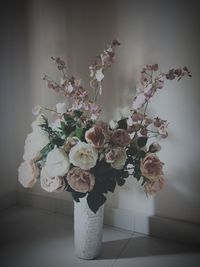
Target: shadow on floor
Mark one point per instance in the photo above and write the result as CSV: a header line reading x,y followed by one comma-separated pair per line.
x,y
144,247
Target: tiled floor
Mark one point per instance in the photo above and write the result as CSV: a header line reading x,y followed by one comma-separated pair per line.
x,y
36,238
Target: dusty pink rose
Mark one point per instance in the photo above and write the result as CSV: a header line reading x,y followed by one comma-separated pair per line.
x,y
153,188
116,157
120,138
80,180
151,167
96,137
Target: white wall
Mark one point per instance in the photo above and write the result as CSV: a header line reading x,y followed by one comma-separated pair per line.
x,y
150,31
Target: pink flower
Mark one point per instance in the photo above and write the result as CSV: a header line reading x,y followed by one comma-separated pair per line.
x,y
96,137
116,157
151,167
120,138
153,188
80,180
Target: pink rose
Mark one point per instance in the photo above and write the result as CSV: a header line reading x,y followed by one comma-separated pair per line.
x,y
116,157
151,167
80,180
120,138
96,137
153,188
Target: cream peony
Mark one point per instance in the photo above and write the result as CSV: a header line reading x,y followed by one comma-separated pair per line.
x,y
83,155
34,142
116,157
28,173
57,163
51,184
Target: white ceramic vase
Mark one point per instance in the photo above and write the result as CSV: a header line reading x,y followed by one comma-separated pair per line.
x,y
88,230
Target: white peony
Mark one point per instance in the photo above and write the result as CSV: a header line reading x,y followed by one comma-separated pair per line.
x,y
61,108
83,155
28,173
34,142
51,184
57,163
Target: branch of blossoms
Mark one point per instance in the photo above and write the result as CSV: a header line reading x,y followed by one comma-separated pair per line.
x,y
97,69
150,84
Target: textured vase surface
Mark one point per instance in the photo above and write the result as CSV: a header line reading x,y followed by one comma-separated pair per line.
x,y
88,230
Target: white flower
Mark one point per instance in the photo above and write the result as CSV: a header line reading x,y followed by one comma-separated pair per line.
x,y
83,155
39,121
113,124
57,163
37,110
69,88
61,107
51,184
34,142
28,173
99,75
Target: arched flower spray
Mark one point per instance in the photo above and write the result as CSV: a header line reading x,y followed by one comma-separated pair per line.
x,y
79,153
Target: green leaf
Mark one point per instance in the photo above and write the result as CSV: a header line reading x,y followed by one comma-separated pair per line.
x,y
142,141
122,124
120,181
77,195
78,113
62,125
79,132
111,184
95,201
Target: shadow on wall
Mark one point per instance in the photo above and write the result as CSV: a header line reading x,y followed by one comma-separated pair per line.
x,y
14,88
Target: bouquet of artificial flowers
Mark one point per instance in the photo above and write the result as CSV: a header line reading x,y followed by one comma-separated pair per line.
x,y
79,153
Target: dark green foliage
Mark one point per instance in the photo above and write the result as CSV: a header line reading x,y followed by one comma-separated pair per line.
x,y
95,200
122,124
141,141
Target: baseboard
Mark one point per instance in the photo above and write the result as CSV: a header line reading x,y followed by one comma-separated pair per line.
x,y
7,200
124,219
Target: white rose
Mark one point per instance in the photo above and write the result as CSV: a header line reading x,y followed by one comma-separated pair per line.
x,y
51,184
28,173
34,142
57,163
83,155
39,120
61,107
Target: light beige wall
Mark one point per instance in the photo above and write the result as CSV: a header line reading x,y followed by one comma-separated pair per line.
x,y
150,31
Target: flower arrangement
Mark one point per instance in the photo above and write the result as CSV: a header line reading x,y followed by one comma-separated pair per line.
x,y
79,153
